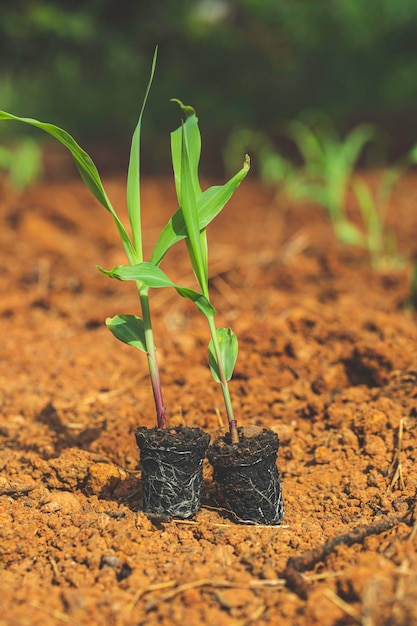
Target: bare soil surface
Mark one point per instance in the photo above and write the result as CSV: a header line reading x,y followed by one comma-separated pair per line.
x,y
328,360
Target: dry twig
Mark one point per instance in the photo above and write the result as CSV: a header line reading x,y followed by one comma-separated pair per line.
x,y
176,589
398,473
296,565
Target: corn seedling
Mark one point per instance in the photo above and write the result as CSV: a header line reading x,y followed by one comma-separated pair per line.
x,y
22,164
327,167
223,346
326,174
197,209
381,243
130,329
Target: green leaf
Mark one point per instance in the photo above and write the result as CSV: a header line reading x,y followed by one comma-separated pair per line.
x,y
151,276
306,140
348,233
228,347
354,143
133,175
193,139
188,203
209,203
86,168
128,329
412,155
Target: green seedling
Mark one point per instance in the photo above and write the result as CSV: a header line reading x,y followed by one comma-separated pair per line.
x,y
197,209
381,243
325,176
130,329
22,164
223,347
327,170
327,166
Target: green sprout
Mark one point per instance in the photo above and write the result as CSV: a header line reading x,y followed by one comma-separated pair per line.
x,y
131,329
327,166
325,176
223,346
380,242
22,164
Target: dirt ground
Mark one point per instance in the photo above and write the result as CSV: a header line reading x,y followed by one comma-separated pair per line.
x,y
328,360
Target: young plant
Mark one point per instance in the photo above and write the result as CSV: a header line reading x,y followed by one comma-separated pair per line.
x,y
223,347
381,243
327,168
130,329
22,164
197,209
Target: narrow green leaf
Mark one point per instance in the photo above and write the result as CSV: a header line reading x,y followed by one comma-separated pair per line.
x,y
306,140
193,139
188,203
146,273
129,329
412,155
133,175
348,233
86,168
83,161
228,350
209,203
151,276
354,143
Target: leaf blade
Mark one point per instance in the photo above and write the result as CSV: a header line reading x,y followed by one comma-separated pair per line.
x,y
133,174
128,329
228,346
210,203
86,167
151,276
188,203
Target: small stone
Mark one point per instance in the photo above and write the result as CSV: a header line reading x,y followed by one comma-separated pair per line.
x,y
250,432
102,479
322,455
62,501
110,560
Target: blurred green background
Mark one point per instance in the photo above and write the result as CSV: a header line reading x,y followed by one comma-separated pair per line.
x,y
240,63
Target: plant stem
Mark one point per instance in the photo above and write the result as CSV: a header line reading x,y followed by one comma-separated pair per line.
x,y
223,382
152,361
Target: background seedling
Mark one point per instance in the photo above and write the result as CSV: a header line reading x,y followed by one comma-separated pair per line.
x,y
130,329
22,164
325,176
327,167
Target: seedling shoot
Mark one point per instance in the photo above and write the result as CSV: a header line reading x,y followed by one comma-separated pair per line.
x,y
196,210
